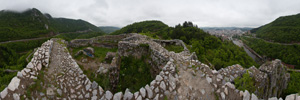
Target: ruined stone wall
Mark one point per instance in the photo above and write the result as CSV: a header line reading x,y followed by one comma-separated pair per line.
x,y
264,77
181,77
106,41
173,42
26,77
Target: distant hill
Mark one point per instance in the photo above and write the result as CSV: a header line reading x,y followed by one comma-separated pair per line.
x,y
108,29
285,29
32,24
209,49
142,27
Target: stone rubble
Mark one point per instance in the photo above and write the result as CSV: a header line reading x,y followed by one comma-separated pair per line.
x,y
194,81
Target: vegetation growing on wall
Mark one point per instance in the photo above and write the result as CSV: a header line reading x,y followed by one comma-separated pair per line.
x,y
245,83
293,84
134,74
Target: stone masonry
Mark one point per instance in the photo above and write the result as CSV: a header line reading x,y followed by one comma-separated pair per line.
x,y
180,76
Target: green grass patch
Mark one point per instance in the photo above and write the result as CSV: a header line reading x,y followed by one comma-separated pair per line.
x,y
245,83
37,86
174,48
293,84
100,52
103,80
151,35
134,74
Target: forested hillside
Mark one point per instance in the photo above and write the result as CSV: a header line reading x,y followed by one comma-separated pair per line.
x,y
289,54
142,27
32,24
285,29
209,49
29,24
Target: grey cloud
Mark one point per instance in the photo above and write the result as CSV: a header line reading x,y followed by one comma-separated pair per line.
x,y
240,13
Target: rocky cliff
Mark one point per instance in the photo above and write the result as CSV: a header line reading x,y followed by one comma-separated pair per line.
x,y
178,76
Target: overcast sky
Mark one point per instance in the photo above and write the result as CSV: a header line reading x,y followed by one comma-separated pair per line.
x,y
204,13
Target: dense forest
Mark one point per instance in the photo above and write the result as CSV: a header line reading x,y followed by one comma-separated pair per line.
x,y
142,27
32,24
209,49
289,54
13,57
284,29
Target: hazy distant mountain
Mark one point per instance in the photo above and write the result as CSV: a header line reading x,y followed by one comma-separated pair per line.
x,y
227,28
108,29
284,29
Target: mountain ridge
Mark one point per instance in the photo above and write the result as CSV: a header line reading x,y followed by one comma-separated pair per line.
x,y
285,29
31,23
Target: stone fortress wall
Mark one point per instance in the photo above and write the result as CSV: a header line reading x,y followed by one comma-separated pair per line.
x,y
18,84
171,82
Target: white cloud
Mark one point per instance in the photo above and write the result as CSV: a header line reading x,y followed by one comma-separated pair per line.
x,y
241,13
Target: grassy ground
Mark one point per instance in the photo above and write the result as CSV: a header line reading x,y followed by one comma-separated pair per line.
x,y
174,48
100,53
134,74
293,84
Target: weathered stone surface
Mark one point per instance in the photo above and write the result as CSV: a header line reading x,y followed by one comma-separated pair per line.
x,y
19,74
94,98
128,95
246,95
253,97
230,85
226,91
88,86
100,90
208,79
29,65
14,84
59,91
202,91
94,85
158,78
223,96
290,97
118,96
273,98
39,66
139,98
108,95
149,91
87,95
3,93
143,92
95,92
16,96
162,85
